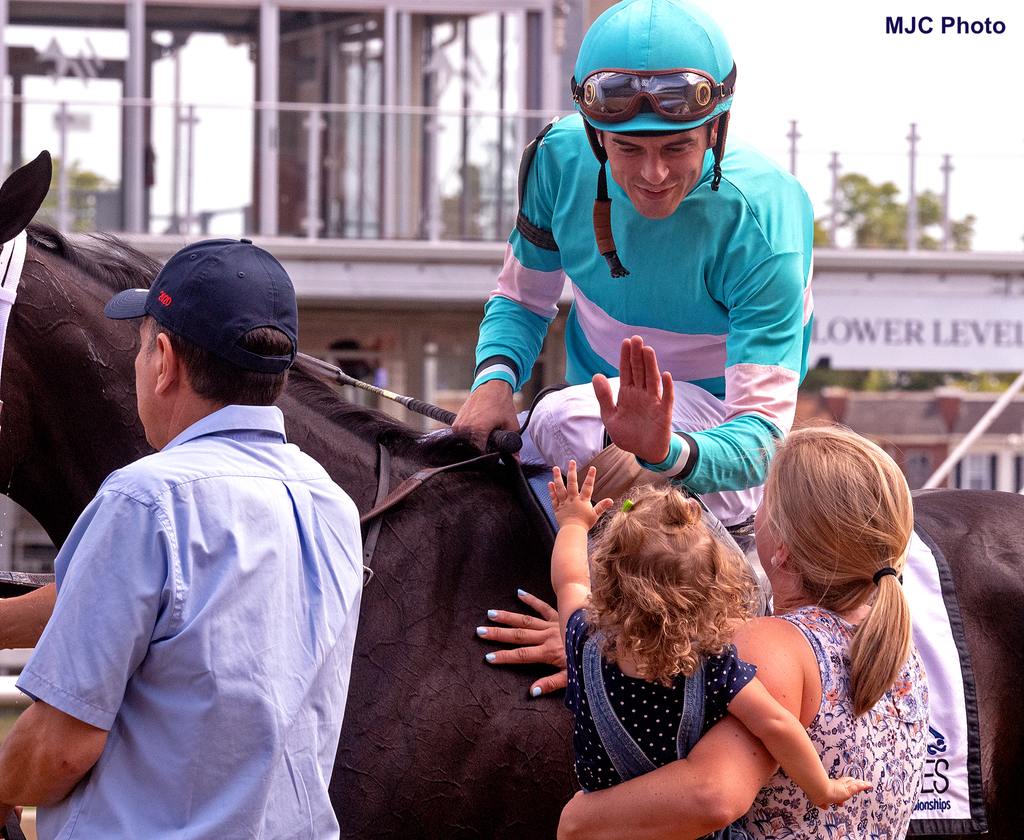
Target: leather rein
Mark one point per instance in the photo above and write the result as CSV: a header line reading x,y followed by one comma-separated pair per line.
x,y
385,500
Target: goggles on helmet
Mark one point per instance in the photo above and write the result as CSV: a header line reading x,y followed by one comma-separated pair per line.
x,y
683,95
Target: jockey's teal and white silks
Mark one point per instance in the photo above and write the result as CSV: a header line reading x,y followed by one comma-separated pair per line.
x,y
720,289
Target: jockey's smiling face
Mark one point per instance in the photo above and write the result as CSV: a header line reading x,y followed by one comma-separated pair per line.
x,y
657,172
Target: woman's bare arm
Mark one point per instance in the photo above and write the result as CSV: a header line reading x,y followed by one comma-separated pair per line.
x,y
23,619
718,781
706,791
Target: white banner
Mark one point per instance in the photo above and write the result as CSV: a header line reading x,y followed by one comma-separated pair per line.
x,y
866,330
945,790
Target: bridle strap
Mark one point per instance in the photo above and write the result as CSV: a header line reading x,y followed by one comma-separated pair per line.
x,y
12,829
384,501
383,481
416,480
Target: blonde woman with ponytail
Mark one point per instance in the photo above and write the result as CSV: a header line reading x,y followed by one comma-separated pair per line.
x,y
832,535
844,551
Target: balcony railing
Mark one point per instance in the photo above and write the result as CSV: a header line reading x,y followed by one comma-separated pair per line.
x,y
326,170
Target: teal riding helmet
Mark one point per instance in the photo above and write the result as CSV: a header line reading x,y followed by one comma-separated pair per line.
x,y
650,67
648,35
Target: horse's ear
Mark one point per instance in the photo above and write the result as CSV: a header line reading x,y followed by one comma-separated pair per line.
x,y
22,194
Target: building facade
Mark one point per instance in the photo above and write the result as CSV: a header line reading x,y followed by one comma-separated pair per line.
x,y
354,119
919,429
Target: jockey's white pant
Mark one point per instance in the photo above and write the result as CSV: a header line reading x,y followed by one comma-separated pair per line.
x,y
566,425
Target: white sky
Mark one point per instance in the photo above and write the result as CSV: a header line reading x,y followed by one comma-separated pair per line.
x,y
856,90
829,65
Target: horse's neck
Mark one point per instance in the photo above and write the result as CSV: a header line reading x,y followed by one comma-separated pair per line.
x,y
78,439
71,417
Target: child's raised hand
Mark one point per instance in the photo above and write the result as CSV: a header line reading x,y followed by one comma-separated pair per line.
x,y
841,789
571,502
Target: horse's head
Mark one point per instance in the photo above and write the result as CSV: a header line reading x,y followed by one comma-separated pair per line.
x,y
67,381
22,194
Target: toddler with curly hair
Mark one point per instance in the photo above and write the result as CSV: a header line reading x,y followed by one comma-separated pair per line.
x,y
647,627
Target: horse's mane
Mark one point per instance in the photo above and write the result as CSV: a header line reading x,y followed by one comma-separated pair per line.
x,y
371,424
120,266
100,255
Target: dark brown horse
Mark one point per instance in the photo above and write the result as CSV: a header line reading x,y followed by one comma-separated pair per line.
x,y
435,742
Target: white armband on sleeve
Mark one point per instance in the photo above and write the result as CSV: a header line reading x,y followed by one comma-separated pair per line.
x,y
675,461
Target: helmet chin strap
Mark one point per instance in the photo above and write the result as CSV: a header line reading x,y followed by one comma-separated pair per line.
x,y
719,151
603,208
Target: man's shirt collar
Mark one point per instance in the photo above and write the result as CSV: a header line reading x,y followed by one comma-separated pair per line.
x,y
232,418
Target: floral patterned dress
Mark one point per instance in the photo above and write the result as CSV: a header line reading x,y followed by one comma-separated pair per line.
x,y
886,746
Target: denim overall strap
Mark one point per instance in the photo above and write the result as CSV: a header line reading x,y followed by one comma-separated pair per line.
x,y
625,754
691,727
691,724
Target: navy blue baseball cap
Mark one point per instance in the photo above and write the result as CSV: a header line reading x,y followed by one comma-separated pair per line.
x,y
214,292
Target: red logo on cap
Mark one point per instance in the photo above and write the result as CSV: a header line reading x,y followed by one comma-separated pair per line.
x,y
164,298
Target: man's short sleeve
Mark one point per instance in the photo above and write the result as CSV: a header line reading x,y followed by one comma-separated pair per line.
x,y
113,590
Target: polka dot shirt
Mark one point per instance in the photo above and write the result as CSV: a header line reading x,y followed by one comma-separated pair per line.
x,y
649,711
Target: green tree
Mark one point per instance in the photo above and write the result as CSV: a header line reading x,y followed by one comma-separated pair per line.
x,y
453,225
877,380
820,234
904,380
877,217
83,185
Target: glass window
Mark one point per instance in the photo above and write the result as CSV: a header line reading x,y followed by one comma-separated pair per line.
x,y
977,472
363,363
68,75
330,181
202,131
444,168
69,82
471,69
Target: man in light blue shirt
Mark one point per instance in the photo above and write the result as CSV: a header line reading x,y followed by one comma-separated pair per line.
x,y
197,659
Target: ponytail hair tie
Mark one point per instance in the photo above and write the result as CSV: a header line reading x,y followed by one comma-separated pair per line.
x,y
881,573
627,505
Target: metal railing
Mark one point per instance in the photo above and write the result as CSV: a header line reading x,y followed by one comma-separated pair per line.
x,y
343,171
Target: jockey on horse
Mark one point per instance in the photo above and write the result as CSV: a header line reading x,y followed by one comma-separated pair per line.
x,y
718,249
707,254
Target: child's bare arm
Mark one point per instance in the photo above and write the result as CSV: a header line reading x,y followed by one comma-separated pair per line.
x,y
787,740
570,574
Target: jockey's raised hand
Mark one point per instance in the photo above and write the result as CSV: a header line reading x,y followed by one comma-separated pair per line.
x,y
641,420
